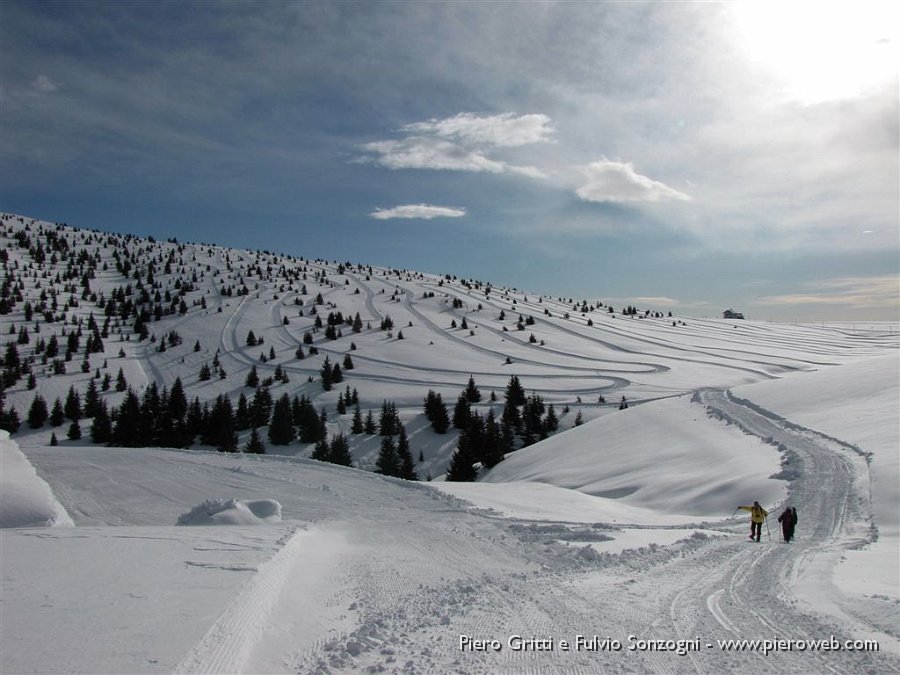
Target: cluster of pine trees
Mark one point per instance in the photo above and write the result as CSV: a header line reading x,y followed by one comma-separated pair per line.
x,y
483,440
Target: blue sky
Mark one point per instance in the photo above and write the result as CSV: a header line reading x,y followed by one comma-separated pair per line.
x,y
683,156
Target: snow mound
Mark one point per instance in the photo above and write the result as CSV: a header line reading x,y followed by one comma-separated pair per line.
x,y
666,456
25,499
232,512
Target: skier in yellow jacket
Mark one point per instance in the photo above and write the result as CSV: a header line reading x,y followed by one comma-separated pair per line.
x,y
757,517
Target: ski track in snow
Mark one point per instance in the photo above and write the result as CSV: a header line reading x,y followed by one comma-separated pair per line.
x,y
711,588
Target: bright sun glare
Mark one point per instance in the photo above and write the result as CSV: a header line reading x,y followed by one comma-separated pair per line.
x,y
820,51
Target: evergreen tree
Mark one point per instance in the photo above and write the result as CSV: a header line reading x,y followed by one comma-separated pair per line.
x,y
307,421
252,380
220,426
321,452
472,393
101,427
37,413
74,432
57,415
369,425
54,441
493,447
9,419
121,383
348,362
251,339
326,374
72,406
578,419
462,466
441,421
407,469
323,423
260,408
357,425
430,402
551,422
388,462
339,451
242,414
91,399
461,412
281,428
515,394
126,430
254,444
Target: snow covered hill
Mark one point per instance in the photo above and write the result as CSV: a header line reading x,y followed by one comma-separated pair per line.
x,y
618,527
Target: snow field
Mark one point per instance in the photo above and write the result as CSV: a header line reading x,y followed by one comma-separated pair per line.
x,y
620,526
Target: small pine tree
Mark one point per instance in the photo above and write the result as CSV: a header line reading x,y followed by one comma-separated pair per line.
x,y
462,466
255,445
74,432
72,407
57,416
407,470
461,412
281,428
252,380
388,463
472,393
54,441
37,413
101,427
357,425
339,451
369,425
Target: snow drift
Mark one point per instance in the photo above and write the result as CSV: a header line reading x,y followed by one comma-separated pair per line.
x,y
25,499
232,512
666,456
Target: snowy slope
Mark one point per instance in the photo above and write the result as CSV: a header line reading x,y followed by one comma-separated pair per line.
x,y
618,527
25,499
666,456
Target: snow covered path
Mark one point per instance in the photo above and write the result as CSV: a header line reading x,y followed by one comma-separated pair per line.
x,y
369,572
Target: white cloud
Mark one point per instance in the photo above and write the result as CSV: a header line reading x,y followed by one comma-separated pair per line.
x,y
424,211
460,143
609,181
44,83
504,130
430,153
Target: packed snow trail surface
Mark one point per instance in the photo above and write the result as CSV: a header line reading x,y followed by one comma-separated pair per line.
x,y
392,575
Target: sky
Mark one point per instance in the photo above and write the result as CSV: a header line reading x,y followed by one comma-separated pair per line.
x,y
685,157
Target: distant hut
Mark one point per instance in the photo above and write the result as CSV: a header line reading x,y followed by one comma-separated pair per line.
x,y
731,314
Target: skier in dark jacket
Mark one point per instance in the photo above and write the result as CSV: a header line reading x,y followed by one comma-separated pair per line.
x,y
787,523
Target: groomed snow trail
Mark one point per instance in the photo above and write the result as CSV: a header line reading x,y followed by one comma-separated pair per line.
x,y
389,575
703,588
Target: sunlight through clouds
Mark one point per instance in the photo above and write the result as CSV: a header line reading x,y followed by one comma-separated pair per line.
x,y
881,291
